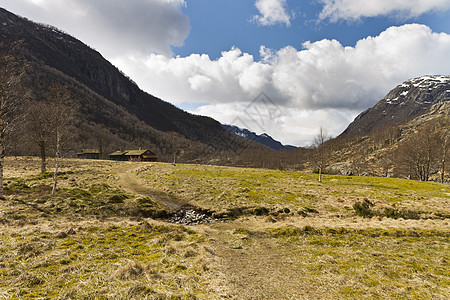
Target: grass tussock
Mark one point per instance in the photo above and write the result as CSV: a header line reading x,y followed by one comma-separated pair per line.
x,y
366,209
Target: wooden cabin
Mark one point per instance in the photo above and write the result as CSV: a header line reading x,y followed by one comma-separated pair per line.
x,y
133,155
89,154
141,155
118,155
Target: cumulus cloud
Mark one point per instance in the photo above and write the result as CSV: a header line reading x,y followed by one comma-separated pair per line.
x,y
272,12
323,77
292,126
336,10
136,27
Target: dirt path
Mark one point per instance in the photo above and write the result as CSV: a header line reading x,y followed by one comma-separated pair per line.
x,y
257,267
240,269
130,182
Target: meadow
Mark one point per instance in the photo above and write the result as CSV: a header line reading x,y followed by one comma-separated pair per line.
x,y
276,234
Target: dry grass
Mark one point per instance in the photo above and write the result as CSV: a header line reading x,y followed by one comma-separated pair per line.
x,y
290,237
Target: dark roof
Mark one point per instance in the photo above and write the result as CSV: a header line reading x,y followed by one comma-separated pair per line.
x,y
135,152
118,153
131,153
89,151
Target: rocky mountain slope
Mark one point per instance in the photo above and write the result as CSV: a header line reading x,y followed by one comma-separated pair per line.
x,y
407,101
264,138
406,134
109,99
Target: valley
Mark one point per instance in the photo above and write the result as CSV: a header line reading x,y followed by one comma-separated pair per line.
x,y
225,213
276,234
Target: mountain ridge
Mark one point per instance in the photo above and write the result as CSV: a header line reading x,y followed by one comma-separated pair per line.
x,y
263,138
402,104
54,56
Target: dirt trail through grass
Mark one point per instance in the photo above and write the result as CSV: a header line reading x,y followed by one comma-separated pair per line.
x,y
246,260
251,268
97,239
128,180
257,270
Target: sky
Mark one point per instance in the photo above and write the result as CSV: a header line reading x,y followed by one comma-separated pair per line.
x,y
282,67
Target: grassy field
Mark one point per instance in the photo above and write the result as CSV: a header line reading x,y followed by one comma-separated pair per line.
x,y
277,234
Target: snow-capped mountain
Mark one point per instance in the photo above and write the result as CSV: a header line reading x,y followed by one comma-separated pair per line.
x,y
264,138
405,102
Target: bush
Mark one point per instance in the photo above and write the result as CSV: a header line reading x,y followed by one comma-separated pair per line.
x,y
394,213
364,209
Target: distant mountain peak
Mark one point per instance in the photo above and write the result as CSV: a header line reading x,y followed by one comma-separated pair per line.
x,y
405,102
263,138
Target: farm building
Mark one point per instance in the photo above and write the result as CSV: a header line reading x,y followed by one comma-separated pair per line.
x,y
118,155
133,155
89,154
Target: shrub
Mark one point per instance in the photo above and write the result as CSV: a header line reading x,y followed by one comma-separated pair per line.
x,y
260,211
394,213
364,209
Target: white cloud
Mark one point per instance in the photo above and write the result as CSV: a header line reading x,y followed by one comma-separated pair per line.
x,y
336,10
235,76
324,83
291,126
136,27
272,12
319,80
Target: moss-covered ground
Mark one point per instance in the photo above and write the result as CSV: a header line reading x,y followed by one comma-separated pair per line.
x,y
278,234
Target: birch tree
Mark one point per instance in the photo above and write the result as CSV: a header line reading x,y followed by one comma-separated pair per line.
x,y
11,71
320,151
445,143
40,129
62,112
419,153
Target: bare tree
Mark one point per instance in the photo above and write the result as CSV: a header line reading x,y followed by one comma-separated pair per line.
x,y
40,128
177,152
11,71
444,140
445,143
62,112
386,163
418,153
320,151
102,138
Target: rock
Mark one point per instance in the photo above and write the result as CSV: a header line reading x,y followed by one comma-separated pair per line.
x,y
190,217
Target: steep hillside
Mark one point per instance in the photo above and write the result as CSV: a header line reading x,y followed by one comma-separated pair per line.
x,y
407,101
108,98
413,147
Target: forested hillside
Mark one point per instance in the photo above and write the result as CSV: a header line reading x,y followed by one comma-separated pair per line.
x,y
111,110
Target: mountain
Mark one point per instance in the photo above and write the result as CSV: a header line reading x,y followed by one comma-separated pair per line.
x,y
406,134
108,99
404,103
264,138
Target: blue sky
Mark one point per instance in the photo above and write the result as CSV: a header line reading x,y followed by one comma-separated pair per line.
x,y
319,62
217,25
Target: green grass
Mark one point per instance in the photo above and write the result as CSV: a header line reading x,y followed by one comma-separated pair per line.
x,y
221,187
286,236
92,261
